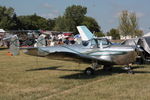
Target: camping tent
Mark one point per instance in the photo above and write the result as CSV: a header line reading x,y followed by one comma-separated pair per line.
x,y
144,42
147,34
2,31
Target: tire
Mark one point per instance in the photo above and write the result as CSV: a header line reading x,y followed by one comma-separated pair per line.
x,y
89,71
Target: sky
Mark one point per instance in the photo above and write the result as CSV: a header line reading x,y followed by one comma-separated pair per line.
x,y
106,12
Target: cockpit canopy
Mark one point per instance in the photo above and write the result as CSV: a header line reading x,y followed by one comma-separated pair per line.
x,y
97,42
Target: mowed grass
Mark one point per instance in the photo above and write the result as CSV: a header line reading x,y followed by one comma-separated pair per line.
x,y
26,77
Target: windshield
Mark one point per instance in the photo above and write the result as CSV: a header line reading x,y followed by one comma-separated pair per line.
x,y
96,43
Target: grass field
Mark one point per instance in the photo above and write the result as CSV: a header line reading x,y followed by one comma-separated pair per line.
x,y
25,77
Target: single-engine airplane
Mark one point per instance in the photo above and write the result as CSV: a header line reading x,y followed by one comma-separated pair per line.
x,y
93,50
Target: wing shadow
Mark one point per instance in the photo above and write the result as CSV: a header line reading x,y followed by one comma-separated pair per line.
x,y
53,68
81,75
101,72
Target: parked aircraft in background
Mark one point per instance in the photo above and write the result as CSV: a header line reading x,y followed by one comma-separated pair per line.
x,y
144,44
93,50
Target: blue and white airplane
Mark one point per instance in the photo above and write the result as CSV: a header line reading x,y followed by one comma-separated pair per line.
x,y
93,50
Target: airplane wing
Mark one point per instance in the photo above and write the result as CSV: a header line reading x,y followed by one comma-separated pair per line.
x,y
69,53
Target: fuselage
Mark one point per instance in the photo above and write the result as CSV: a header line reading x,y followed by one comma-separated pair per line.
x,y
107,54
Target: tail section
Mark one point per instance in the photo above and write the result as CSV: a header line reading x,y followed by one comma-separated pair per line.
x,y
14,44
41,42
85,33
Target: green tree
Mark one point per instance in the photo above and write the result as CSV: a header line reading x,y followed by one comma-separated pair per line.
x,y
6,15
16,23
61,24
51,23
75,15
128,24
72,17
138,33
99,34
34,22
91,24
114,33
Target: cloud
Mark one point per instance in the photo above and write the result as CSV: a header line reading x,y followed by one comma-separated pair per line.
x,y
111,21
49,11
139,14
47,5
51,14
55,11
117,14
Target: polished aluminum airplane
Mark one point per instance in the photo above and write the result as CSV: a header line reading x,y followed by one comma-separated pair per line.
x,y
93,50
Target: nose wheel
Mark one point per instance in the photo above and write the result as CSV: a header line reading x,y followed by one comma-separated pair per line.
x,y
89,71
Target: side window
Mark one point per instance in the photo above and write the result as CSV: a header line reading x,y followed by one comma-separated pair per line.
x,y
94,43
85,43
103,41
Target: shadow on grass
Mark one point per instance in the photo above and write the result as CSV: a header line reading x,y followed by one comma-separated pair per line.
x,y
81,75
101,72
97,73
53,68
3,48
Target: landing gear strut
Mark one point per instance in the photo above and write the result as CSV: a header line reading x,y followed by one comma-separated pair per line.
x,y
91,70
129,69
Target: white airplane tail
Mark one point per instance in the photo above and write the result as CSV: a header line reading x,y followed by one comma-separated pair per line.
x,y
41,42
85,33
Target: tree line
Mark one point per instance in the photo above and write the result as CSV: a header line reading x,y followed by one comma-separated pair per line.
x,y
73,16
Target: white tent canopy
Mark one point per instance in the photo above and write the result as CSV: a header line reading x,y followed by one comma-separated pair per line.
x,y
2,31
147,34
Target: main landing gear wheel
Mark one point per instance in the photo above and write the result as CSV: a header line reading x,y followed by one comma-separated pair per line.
x,y
89,71
129,70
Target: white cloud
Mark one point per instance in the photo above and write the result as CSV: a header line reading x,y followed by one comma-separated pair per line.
x,y
47,5
49,15
55,12
52,14
117,14
49,11
139,14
